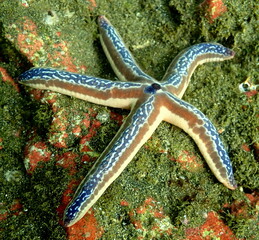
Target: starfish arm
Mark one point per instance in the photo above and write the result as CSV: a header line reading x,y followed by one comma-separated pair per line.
x,y
92,89
178,74
138,127
118,55
195,123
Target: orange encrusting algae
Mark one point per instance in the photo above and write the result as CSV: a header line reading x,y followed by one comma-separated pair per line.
x,y
213,8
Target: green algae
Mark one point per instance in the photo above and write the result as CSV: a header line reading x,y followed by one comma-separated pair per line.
x,y
155,32
25,222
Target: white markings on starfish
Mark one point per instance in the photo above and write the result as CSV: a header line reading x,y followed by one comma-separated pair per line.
x,y
150,102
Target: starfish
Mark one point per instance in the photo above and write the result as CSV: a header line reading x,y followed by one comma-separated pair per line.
x,y
150,102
